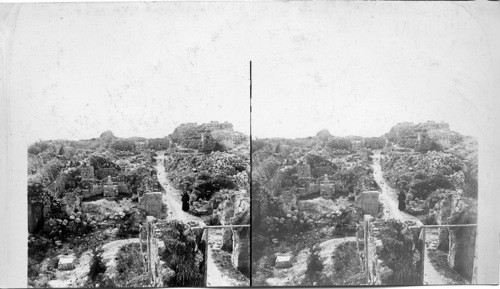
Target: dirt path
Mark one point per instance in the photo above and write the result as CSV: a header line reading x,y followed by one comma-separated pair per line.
x,y
172,198
388,198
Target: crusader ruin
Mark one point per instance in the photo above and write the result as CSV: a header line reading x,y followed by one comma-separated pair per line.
x,y
399,209
106,212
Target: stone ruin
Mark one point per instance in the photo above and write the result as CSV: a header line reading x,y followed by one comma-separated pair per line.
x,y
236,211
283,261
66,263
368,202
462,240
152,204
459,242
241,242
110,189
71,201
327,188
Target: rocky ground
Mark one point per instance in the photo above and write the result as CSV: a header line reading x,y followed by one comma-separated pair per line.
x,y
219,273
435,168
96,235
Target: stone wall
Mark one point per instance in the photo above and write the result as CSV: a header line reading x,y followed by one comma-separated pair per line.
x,y
327,188
236,211
71,201
226,213
241,242
463,240
208,136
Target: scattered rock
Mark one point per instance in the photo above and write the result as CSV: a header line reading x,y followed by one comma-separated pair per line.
x,y
66,263
283,261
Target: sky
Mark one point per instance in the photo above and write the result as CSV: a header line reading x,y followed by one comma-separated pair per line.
x,y
354,68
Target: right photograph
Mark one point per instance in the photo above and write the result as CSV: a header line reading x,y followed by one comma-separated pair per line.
x,y
364,155
396,209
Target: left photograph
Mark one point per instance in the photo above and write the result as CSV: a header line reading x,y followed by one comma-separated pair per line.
x,y
137,149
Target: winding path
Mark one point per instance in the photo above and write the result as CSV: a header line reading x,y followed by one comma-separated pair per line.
x,y
388,198
172,199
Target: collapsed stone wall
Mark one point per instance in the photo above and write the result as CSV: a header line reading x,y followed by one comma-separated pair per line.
x,y
463,240
235,210
208,136
460,242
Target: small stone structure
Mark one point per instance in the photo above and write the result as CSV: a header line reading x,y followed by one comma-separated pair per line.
x,y
152,204
240,257
66,263
327,188
110,190
368,202
283,261
462,240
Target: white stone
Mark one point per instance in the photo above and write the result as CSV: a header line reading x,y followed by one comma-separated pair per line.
x,y
66,263
58,284
283,261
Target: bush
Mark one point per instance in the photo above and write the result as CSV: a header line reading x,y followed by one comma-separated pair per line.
x,y
258,144
314,272
100,162
402,253
130,267
180,256
123,145
38,147
346,265
97,266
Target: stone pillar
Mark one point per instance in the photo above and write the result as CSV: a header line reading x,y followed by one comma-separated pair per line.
x,y
241,243
463,239
226,212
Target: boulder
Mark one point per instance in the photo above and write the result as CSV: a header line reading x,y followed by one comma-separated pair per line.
x,y
58,284
283,261
66,263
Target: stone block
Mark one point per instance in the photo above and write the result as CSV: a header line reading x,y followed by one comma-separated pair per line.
x,y
66,263
110,191
327,190
368,202
152,204
283,261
